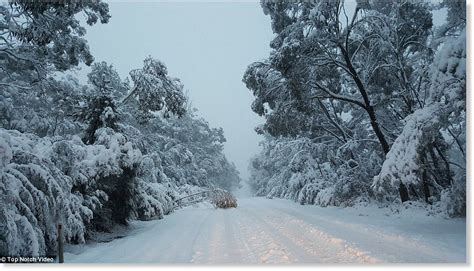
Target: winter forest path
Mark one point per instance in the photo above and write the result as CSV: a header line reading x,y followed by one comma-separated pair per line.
x,y
264,231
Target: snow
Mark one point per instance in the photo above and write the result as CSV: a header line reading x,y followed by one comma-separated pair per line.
x,y
5,151
253,233
402,162
93,156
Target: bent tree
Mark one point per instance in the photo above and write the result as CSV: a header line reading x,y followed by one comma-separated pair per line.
x,y
346,73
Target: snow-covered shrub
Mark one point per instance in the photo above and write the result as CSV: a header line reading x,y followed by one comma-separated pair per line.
x,y
189,150
223,199
154,194
312,173
453,201
153,200
428,156
113,163
103,173
35,197
287,169
403,162
49,181
326,197
308,193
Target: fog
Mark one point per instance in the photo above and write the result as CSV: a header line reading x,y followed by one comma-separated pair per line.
x,y
207,45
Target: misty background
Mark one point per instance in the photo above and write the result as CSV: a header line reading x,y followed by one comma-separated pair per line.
x,y
208,45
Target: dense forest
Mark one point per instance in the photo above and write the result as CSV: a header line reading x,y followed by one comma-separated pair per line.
x,y
90,155
363,105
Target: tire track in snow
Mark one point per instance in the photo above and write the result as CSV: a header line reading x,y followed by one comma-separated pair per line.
x,y
245,242
267,246
324,247
225,242
392,244
258,231
204,240
235,244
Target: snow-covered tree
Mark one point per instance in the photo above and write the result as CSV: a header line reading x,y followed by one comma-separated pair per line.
x,y
354,84
106,81
431,150
38,36
101,107
75,154
36,196
156,91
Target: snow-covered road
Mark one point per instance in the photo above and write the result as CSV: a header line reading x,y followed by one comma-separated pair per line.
x,y
279,231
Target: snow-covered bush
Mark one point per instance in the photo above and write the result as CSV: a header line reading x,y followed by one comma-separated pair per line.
x,y
308,193
404,162
424,154
46,181
153,200
295,169
35,197
223,199
154,193
289,168
111,164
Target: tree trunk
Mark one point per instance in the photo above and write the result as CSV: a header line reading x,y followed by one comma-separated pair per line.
x,y
426,189
424,174
402,189
368,106
377,130
371,112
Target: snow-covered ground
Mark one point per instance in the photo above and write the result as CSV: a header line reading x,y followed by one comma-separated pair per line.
x,y
280,231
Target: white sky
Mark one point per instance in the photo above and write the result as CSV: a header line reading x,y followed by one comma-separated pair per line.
x,y
207,45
